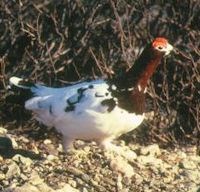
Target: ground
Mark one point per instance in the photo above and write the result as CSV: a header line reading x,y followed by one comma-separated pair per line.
x,y
40,165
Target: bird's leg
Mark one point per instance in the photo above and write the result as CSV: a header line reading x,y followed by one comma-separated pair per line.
x,y
67,143
118,150
107,145
68,148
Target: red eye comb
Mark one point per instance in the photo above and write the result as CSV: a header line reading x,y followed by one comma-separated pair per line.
x,y
160,41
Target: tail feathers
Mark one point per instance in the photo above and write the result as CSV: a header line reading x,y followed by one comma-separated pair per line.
x,y
21,83
20,90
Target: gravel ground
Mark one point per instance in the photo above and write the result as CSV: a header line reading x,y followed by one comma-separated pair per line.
x,y
29,165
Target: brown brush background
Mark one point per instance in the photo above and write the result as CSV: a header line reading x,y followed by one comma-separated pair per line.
x,y
54,42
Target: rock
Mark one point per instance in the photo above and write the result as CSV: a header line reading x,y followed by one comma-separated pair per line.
x,y
194,188
23,177
35,184
43,187
52,158
193,175
119,183
84,189
3,131
187,164
122,166
181,154
72,183
1,158
35,179
125,190
87,149
5,183
21,159
14,143
168,179
13,170
31,188
149,160
152,150
47,141
67,188
195,159
24,139
2,176
25,188
60,148
138,179
79,144
123,151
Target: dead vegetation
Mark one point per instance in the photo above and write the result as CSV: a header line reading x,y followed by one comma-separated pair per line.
x,y
54,42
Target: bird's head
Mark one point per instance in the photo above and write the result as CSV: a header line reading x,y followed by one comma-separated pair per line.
x,y
161,46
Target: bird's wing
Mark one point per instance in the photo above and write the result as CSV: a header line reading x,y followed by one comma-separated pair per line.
x,y
49,103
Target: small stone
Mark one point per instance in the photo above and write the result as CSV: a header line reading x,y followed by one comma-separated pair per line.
x,y
24,177
181,154
152,150
25,188
13,170
21,159
5,182
13,184
85,177
122,166
67,188
138,179
193,175
47,141
168,179
2,176
119,183
187,164
1,158
72,183
52,158
149,160
3,131
87,149
60,148
195,158
43,187
24,139
28,187
35,179
84,189
194,188
14,143
125,190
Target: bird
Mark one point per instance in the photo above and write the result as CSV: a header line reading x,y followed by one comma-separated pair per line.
x,y
97,110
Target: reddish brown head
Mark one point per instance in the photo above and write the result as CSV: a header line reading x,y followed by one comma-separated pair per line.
x,y
162,45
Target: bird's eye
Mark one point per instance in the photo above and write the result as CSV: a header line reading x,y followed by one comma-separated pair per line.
x,y
160,48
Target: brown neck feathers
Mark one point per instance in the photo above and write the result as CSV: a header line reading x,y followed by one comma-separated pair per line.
x,y
142,70
131,85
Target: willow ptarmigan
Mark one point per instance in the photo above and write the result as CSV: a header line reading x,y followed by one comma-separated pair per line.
x,y
98,110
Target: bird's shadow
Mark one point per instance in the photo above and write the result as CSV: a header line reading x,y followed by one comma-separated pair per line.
x,y
7,150
25,153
